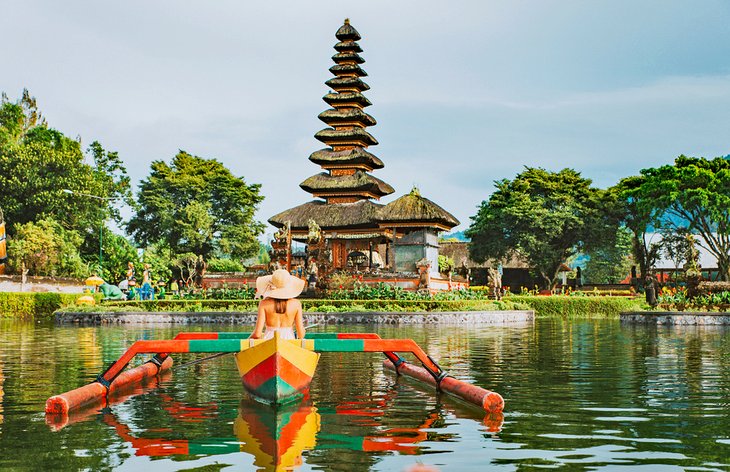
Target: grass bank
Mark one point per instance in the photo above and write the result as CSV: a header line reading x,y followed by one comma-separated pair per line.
x,y
579,307
30,305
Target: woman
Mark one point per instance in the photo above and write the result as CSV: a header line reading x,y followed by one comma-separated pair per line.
x,y
279,310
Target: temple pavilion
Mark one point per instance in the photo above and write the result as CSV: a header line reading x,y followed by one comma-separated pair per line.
x,y
357,229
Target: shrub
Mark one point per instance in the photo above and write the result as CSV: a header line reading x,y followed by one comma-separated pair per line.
x,y
706,288
35,305
570,306
224,265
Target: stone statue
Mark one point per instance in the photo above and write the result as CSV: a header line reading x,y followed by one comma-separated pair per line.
x,y
495,282
111,292
315,232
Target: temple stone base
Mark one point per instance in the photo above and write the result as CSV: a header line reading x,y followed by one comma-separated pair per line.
x,y
676,317
249,318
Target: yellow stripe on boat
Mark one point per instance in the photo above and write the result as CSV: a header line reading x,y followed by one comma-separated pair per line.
x,y
251,356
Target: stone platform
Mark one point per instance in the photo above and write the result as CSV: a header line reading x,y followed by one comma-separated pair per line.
x,y
249,318
676,317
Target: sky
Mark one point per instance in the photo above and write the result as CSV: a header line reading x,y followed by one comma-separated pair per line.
x,y
464,92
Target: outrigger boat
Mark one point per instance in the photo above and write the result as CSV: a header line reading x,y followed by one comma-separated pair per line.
x,y
274,371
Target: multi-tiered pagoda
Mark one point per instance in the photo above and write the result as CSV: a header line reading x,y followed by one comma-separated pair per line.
x,y
345,192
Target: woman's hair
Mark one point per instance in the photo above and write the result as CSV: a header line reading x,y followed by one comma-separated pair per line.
x,y
280,305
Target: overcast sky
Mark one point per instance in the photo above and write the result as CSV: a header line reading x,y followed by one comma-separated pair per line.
x,y
465,92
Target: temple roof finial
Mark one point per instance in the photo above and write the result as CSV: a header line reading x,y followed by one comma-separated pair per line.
x,y
347,21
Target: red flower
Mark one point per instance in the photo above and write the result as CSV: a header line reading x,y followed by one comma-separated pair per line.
x,y
341,287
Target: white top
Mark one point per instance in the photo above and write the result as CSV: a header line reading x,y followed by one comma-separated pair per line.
x,y
284,333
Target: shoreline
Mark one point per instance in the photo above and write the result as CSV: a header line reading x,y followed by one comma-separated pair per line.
x,y
246,317
675,317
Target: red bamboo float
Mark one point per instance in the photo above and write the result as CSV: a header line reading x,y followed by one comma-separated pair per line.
x,y
492,402
96,392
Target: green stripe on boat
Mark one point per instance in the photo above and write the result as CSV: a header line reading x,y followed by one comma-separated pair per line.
x,y
339,345
214,345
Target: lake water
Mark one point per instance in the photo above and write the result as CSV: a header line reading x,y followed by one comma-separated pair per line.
x,y
580,395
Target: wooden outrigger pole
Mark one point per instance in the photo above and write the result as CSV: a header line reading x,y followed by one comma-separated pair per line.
x,y
271,370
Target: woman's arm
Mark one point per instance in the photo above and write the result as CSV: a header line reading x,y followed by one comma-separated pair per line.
x,y
260,320
298,319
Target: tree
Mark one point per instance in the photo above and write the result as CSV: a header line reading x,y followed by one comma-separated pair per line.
x,y
160,259
612,262
17,119
46,248
196,205
694,192
675,244
118,251
39,162
640,219
543,217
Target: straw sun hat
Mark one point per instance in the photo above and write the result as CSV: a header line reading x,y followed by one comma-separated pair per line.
x,y
281,284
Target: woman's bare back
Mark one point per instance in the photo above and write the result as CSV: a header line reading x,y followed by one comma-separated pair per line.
x,y
291,318
281,320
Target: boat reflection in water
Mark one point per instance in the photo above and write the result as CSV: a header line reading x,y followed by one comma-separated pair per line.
x,y
276,437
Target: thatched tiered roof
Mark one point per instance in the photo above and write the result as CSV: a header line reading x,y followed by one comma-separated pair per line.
x,y
345,158
358,182
358,215
346,187
414,210
359,156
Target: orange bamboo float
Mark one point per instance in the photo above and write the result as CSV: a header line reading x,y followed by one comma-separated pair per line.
x,y
96,391
492,402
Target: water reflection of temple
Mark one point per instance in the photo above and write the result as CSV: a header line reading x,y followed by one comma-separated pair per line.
x,y
344,226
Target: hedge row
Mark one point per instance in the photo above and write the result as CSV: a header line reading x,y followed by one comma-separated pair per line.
x,y
572,307
33,305
42,305
319,305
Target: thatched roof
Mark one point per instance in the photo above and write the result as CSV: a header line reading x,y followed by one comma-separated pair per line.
x,y
354,156
358,182
348,82
357,97
338,216
331,136
413,208
342,69
334,116
347,32
348,46
345,56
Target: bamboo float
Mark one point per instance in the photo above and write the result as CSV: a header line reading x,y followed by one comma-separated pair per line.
x,y
96,392
491,402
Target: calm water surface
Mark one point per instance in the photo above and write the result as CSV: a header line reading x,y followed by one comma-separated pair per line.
x,y
580,395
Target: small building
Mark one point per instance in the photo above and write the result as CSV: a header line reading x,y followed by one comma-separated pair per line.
x,y
515,272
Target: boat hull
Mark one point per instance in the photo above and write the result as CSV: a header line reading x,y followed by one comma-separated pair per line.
x,y
277,371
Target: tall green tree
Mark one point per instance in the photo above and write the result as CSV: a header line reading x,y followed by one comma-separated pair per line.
x,y
196,205
39,162
543,217
694,192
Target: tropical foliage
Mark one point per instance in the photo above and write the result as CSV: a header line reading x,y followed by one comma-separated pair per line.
x,y
544,218
695,193
197,206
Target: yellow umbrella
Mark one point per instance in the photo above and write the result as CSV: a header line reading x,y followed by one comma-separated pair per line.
x,y
94,280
